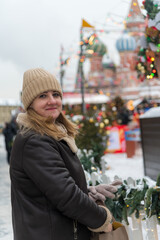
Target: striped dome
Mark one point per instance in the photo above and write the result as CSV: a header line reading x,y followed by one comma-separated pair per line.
x,y
126,43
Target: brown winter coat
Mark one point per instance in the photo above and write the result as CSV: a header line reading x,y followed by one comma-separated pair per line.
x,y
49,191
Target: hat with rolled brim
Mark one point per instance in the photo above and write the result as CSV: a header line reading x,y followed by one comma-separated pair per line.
x,y
35,82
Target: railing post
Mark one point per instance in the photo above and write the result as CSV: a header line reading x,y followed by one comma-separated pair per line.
x,y
151,228
137,227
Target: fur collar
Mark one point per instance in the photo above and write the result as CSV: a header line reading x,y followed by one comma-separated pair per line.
x,y
23,120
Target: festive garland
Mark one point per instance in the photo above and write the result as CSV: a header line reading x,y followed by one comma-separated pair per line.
x,y
135,198
128,200
152,32
146,64
150,43
152,200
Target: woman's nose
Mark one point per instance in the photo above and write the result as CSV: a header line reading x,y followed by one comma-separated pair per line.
x,y
51,100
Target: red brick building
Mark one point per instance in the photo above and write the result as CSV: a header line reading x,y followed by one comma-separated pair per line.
x,y
121,80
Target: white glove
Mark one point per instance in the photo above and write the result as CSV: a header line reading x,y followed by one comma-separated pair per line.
x,y
101,191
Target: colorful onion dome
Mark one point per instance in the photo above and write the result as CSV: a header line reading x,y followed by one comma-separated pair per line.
x,y
96,48
126,43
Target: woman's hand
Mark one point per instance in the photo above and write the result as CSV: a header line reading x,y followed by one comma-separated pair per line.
x,y
101,191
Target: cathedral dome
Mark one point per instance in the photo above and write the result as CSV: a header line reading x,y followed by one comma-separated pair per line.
x,y
97,48
126,43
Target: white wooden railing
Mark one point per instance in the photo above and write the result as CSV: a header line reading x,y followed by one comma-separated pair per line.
x,y
138,229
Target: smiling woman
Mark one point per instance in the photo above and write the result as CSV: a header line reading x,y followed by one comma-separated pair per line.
x,y
48,188
48,104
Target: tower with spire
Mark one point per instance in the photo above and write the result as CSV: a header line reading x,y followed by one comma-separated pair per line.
x,y
134,22
128,46
121,80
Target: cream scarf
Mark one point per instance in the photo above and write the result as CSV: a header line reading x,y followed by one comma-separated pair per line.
x,y
23,120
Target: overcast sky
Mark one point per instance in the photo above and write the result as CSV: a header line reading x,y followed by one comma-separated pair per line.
x,y
32,31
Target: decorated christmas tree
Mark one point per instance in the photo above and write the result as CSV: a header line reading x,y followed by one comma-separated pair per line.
x,y
91,140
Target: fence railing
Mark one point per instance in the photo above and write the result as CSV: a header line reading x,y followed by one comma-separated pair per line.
x,y
138,229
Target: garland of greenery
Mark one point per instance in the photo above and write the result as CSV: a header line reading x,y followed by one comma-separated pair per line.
x,y
152,200
128,200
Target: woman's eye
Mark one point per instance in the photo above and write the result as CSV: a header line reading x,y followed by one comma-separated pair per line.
x,y
56,94
42,96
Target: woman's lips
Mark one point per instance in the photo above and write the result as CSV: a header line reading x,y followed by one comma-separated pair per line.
x,y
50,109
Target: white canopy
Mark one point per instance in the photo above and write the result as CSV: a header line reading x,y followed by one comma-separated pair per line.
x,y
76,98
151,113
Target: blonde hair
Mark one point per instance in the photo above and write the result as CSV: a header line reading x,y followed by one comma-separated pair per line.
x,y
45,126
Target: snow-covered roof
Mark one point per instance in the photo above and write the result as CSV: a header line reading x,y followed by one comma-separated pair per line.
x,y
151,113
76,98
153,93
137,102
9,102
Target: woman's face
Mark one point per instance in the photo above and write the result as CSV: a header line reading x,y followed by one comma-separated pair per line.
x,y
48,104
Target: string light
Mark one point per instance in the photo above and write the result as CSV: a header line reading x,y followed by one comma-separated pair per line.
x,y
91,39
106,121
90,51
101,125
91,120
100,92
135,4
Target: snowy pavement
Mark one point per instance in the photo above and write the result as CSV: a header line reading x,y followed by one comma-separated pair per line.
x,y
124,167
5,206
118,164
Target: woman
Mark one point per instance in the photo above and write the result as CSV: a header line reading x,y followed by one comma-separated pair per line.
x,y
48,188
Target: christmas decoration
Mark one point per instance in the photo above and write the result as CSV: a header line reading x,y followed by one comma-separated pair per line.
x,y
152,200
87,159
151,8
150,43
128,200
93,133
116,112
92,137
146,64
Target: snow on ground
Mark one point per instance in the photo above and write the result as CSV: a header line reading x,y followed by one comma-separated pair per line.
x,y
124,167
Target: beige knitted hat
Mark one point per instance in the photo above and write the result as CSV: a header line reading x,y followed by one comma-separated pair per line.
x,y
36,81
